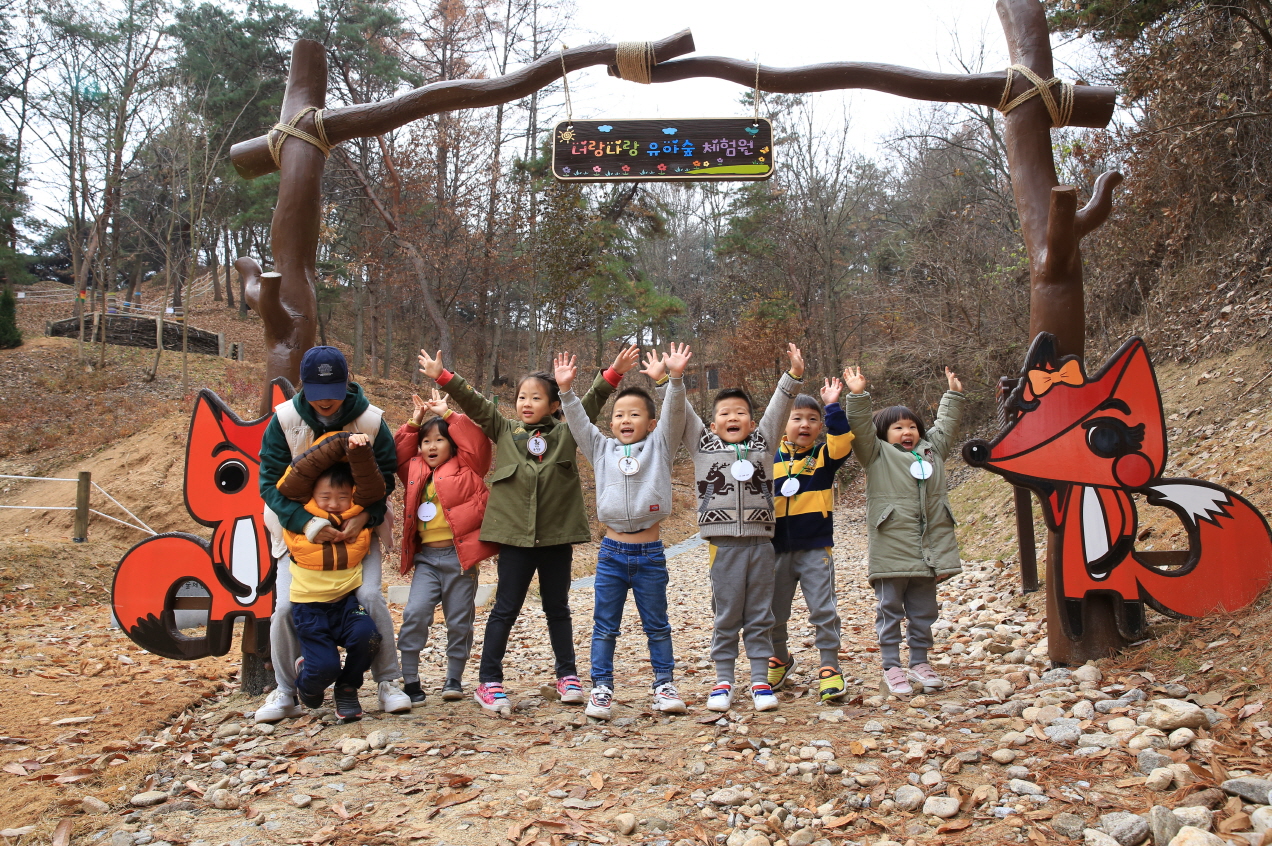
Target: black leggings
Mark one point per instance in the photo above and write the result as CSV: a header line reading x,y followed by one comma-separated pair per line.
x,y
517,566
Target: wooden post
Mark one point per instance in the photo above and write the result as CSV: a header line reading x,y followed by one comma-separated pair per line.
x,y
253,673
220,344
82,488
1025,535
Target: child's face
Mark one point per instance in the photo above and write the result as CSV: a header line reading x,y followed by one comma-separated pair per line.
x,y
333,498
326,408
803,427
904,432
630,421
435,448
534,402
733,423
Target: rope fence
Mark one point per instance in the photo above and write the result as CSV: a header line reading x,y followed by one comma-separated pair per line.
x,y
84,484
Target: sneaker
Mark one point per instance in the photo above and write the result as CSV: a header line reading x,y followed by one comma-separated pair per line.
x,y
571,690
413,690
721,697
667,699
348,708
779,673
452,690
598,703
278,705
894,679
925,676
392,699
491,696
830,684
308,700
763,697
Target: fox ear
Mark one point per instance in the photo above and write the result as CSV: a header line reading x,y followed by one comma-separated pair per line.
x,y
281,390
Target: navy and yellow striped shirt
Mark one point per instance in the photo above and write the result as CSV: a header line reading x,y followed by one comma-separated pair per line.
x,y
806,520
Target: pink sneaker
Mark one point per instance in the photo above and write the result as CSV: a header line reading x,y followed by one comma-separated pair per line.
x,y
491,696
571,690
894,679
925,676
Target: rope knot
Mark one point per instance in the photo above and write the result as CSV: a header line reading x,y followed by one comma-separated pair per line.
x,y
1061,113
635,60
281,131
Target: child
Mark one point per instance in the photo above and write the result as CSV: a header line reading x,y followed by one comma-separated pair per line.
x,y
326,574
736,516
441,462
535,512
910,524
803,479
633,494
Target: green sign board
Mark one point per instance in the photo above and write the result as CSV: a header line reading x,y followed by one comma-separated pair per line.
x,y
703,149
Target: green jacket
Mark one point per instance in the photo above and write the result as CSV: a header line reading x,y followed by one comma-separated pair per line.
x,y
910,524
534,500
276,456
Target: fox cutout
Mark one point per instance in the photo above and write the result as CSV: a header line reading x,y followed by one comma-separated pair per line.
x,y
1084,444
236,569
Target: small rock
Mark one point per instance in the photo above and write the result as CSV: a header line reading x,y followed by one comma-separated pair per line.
x,y
1253,790
1181,737
224,800
263,728
1126,828
93,805
726,797
1171,714
757,840
737,838
1068,825
1160,779
1120,724
534,803
1261,819
354,746
121,838
301,800
582,804
873,727
377,739
1024,788
148,798
347,763
1189,836
1163,825
803,837
1084,709
625,824
999,689
1095,837
1211,797
227,730
908,797
1202,818
1088,673
1151,759
1098,740
1004,756
939,806
1063,735
612,752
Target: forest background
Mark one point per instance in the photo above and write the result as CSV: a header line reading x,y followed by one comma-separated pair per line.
x,y
450,233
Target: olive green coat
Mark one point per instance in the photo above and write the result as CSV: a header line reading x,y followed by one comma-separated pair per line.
x,y
910,524
534,500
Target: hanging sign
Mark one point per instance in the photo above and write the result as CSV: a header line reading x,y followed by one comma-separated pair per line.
x,y
703,149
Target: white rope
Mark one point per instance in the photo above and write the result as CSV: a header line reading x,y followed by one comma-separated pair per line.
x,y
125,510
140,524
38,478
123,523
42,507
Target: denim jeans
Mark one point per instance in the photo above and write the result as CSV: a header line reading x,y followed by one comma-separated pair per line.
x,y
642,569
323,626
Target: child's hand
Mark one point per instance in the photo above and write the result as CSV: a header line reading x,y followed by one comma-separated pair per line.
x,y
678,359
430,366
831,390
417,416
956,384
655,368
626,360
854,381
797,361
437,404
358,440
566,367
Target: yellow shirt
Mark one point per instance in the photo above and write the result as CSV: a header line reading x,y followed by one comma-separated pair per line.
x,y
323,585
437,529
324,572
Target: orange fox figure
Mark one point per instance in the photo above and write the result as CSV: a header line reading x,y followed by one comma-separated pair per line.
x,y
222,461
1084,444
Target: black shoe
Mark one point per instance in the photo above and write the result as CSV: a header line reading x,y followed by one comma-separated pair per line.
x,y
413,690
348,708
309,700
452,690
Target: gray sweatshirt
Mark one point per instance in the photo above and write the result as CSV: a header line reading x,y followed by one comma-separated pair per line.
x,y
727,507
633,503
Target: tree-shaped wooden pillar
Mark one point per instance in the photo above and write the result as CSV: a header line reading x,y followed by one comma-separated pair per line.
x,y
1053,225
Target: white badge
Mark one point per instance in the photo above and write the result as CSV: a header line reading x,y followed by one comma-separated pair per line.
x,y
628,465
790,487
537,445
427,511
742,470
921,469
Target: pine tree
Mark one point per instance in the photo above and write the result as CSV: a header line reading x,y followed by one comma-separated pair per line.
x,y
10,335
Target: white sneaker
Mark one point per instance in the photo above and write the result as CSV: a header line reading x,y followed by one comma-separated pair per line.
x,y
598,703
392,699
667,699
721,697
764,697
278,705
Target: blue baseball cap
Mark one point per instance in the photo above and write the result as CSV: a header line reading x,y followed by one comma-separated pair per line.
x,y
324,374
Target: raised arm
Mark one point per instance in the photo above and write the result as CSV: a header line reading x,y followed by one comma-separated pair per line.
x,y
585,433
674,413
839,437
866,441
480,408
944,432
776,413
472,447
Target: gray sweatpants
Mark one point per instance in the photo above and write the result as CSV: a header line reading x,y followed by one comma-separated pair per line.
x,y
913,599
285,648
742,599
438,578
814,571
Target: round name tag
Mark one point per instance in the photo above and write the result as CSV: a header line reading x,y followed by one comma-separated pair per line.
x,y
742,470
427,511
790,487
537,445
921,469
628,465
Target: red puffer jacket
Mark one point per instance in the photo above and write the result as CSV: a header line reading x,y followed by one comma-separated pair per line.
x,y
460,489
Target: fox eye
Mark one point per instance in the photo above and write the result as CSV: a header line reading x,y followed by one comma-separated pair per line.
x,y
1109,437
231,477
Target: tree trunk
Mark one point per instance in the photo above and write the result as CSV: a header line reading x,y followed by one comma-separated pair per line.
x,y
229,279
358,324
388,340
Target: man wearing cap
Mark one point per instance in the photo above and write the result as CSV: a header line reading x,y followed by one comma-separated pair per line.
x,y
327,402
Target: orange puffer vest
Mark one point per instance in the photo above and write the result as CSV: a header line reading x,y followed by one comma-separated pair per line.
x,y
328,555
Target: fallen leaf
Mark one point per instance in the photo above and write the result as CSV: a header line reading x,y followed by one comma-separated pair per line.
x,y
953,825
1237,822
1249,710
840,822
457,798
72,721
339,809
62,834
596,780
14,768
